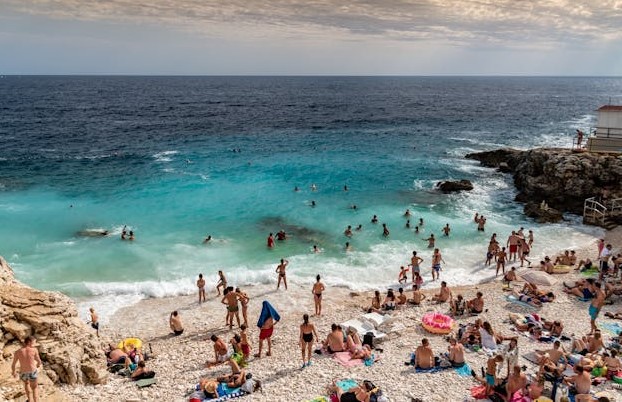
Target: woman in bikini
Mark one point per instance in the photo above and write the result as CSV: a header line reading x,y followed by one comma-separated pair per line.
x,y
307,333
318,288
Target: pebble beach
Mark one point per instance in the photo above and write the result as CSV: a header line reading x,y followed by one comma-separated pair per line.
x,y
180,361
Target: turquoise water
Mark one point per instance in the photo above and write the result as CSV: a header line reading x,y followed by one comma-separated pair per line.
x,y
156,154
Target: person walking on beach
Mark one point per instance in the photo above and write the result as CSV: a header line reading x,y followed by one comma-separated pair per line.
x,y
175,323
415,262
501,256
231,300
437,258
595,306
29,362
267,320
307,334
318,288
270,241
222,282
280,269
244,299
201,286
94,320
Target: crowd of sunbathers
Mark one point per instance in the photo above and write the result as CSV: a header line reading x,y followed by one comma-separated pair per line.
x,y
128,360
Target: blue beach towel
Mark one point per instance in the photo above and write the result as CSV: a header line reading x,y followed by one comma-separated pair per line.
x,y
612,327
346,384
433,370
267,311
464,371
512,299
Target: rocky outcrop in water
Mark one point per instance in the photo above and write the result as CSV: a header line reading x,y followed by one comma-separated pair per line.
x,y
454,186
560,177
70,351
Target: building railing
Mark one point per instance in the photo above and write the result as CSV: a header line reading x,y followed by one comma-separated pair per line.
x,y
595,211
608,132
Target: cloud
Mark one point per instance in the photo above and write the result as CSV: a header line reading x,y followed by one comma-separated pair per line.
x,y
462,22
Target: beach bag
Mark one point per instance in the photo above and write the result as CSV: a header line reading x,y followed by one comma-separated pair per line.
x,y
368,339
248,386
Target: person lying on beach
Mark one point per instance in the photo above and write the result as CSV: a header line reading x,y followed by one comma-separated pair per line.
x,y
401,297
556,354
611,361
424,356
390,301
458,306
554,327
114,355
222,282
583,288
334,340
141,372
353,341
476,305
221,352
375,304
418,297
444,294
549,366
584,265
237,376
359,393
616,316
455,353
521,297
470,335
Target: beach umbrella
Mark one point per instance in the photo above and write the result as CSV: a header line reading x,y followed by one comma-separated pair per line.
x,y
537,277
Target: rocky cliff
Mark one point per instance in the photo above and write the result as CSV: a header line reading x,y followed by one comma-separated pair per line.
x,y
70,351
560,177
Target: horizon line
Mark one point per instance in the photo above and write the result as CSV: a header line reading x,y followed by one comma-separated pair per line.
x,y
311,75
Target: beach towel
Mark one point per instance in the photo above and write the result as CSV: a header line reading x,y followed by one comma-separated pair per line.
x,y
267,311
431,370
346,384
146,382
479,392
464,371
531,357
590,272
346,360
514,300
613,328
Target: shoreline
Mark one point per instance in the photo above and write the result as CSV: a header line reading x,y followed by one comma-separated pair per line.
x,y
179,362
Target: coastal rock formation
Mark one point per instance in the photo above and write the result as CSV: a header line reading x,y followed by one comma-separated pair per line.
x,y
454,186
542,214
71,353
560,177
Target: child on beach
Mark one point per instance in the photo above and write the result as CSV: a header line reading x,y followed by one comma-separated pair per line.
x,y
403,276
244,344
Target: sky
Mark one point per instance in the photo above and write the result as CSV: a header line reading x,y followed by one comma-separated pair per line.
x,y
317,37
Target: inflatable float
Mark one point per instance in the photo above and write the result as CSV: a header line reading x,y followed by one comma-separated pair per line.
x,y
617,377
128,343
561,269
437,323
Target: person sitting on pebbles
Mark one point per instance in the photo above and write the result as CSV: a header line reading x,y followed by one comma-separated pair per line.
x,y
424,356
458,306
444,294
334,341
476,305
221,352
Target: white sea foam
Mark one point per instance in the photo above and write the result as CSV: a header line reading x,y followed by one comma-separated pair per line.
x,y
164,156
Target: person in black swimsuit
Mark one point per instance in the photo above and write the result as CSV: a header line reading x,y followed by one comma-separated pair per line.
x,y
307,333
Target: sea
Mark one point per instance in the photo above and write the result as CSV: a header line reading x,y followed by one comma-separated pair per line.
x,y
175,159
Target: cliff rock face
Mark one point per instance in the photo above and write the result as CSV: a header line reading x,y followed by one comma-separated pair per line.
x,y
561,178
455,186
70,351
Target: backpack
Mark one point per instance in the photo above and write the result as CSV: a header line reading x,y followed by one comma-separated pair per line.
x,y
368,339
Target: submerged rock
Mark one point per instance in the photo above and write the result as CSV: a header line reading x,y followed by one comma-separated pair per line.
x,y
454,186
70,351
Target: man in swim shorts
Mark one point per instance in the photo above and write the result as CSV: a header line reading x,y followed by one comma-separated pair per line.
x,y
437,258
29,362
175,323
414,264
512,244
201,286
231,299
596,305
221,353
94,320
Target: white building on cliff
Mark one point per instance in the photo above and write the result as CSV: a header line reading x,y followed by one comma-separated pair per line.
x,y
608,135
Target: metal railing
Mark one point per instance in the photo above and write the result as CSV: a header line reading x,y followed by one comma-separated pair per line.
x,y
594,211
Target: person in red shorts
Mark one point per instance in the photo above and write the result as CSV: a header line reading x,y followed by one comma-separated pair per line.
x,y
512,244
267,319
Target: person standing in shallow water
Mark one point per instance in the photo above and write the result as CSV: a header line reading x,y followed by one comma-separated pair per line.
x,y
446,230
280,269
318,288
385,230
201,286
437,258
270,242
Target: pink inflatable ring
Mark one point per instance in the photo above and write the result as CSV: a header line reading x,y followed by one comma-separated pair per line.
x,y
437,323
